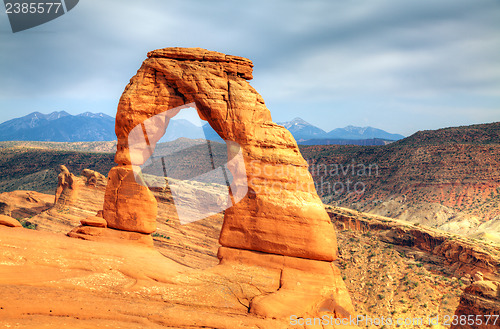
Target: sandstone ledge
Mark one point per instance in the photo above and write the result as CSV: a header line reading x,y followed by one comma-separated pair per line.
x,y
92,233
9,221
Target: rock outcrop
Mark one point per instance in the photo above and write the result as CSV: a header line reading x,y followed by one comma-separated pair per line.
x,y
9,221
96,233
479,302
462,256
94,221
129,206
66,191
279,224
5,209
94,178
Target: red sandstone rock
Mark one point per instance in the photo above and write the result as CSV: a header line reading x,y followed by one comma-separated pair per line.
x,y
94,178
67,188
278,224
480,298
281,213
9,221
94,221
306,288
109,235
465,257
129,206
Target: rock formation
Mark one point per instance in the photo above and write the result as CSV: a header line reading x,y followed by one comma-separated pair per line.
x,y
480,301
66,188
5,209
94,178
94,221
129,206
9,221
464,258
281,213
279,224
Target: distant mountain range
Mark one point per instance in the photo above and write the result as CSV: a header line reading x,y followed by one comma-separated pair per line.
x,y
86,127
59,127
304,132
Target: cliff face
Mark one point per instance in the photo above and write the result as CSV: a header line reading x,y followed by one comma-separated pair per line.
x,y
461,256
479,306
464,260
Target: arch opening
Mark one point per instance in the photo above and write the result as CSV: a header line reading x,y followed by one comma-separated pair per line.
x,y
177,150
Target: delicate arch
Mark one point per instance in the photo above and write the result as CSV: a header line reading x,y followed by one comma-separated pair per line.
x,y
281,213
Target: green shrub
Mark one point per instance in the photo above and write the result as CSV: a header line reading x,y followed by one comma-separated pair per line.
x,y
27,224
158,235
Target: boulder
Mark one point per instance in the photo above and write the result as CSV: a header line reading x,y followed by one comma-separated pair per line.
x,y
9,221
129,206
94,221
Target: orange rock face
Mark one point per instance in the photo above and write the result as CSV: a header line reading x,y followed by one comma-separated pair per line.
x,y
129,206
67,188
307,287
281,213
481,303
9,221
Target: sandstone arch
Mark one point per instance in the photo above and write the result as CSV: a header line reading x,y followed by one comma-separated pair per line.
x,y
280,223
282,213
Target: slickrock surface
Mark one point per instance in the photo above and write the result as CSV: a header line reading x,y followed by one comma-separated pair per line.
x,y
93,233
383,278
49,280
22,204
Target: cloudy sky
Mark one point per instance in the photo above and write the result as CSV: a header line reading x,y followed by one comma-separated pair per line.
x,y
401,66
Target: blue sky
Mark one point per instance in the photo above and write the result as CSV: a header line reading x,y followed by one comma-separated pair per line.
x,y
401,66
